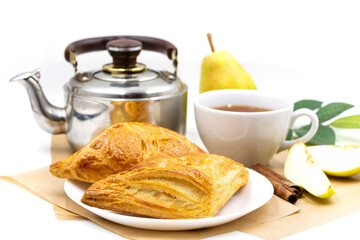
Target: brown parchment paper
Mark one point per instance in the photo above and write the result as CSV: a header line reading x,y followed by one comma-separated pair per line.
x,y
274,220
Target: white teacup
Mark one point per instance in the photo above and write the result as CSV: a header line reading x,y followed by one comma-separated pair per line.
x,y
247,137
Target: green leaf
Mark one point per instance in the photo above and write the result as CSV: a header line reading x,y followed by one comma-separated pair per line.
x,y
347,122
325,135
289,135
301,131
332,110
310,104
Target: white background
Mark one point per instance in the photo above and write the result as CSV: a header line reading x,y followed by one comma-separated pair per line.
x,y
296,49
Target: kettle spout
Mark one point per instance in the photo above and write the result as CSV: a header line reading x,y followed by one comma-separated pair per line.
x,y
49,117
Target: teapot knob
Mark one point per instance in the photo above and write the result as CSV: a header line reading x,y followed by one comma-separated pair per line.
x,y
124,52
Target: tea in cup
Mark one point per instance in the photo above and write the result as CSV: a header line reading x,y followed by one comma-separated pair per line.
x,y
248,126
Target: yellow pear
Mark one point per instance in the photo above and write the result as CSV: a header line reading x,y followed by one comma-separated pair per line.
x,y
340,161
220,70
301,169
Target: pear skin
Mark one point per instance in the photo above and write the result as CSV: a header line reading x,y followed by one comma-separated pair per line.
x,y
220,70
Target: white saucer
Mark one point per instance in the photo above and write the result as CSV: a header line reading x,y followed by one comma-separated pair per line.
x,y
253,195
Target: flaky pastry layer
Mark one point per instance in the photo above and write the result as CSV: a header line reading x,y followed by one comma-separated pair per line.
x,y
193,186
120,147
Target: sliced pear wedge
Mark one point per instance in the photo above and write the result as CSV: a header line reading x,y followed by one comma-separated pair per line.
x,y
301,169
340,161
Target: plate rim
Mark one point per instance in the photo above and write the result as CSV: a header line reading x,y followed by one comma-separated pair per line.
x,y
174,224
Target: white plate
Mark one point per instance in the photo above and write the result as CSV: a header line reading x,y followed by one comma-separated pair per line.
x,y
253,195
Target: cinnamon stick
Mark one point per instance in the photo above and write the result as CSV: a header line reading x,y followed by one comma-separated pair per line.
x,y
283,187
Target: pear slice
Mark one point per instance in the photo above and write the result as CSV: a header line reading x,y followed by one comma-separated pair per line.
x,y
301,169
340,161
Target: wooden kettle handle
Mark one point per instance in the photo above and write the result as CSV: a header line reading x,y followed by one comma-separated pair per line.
x,y
99,43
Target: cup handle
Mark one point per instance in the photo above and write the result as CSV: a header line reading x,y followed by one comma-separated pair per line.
x,y
314,126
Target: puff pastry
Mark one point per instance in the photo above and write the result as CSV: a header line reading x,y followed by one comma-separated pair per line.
x,y
120,147
193,186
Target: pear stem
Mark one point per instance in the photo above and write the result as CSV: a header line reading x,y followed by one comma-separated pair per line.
x,y
210,42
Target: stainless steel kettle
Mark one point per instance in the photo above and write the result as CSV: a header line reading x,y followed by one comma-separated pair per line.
x,y
121,91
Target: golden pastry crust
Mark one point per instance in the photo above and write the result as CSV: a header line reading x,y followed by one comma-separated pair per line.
x,y
193,186
120,147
